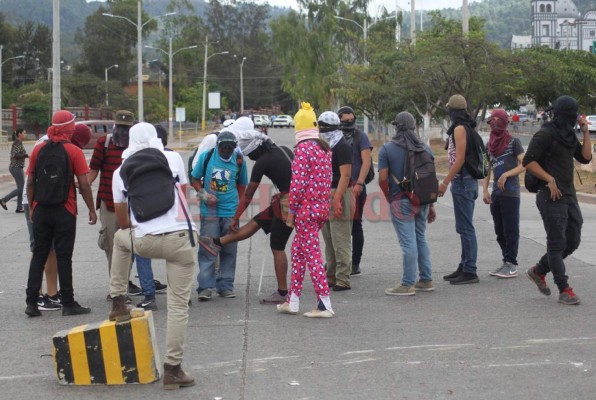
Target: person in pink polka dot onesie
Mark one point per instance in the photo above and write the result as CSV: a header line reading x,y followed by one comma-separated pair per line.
x,y
308,211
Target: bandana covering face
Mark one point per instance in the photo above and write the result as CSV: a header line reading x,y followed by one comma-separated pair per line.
x,y
63,126
142,136
499,135
405,132
249,141
333,137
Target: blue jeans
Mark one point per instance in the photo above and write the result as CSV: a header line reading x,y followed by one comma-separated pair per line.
x,y
505,212
145,275
563,225
410,226
217,227
465,192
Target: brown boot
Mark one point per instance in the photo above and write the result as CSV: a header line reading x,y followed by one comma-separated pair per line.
x,y
120,310
175,378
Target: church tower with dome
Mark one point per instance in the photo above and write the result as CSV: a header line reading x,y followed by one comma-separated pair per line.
x,y
559,25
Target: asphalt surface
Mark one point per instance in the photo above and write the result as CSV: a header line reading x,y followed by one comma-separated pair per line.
x,y
499,339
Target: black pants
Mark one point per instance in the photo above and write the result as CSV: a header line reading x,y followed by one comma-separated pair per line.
x,y
357,232
52,224
563,225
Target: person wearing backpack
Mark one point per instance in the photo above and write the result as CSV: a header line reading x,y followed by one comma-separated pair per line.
x,y
408,216
274,162
505,154
220,178
464,189
550,158
152,214
106,158
53,208
361,165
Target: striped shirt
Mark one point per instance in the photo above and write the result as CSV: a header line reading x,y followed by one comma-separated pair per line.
x,y
106,161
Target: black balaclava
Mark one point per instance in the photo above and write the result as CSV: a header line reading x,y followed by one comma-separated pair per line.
x,y
120,135
564,119
348,127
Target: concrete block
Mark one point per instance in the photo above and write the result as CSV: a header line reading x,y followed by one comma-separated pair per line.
x,y
107,353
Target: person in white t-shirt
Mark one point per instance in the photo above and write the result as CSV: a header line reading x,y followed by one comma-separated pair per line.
x,y
168,237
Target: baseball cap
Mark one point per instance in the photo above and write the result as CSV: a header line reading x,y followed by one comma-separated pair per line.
x,y
124,117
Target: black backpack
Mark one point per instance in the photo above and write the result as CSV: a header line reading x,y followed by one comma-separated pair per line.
x,y
476,161
420,183
53,174
149,184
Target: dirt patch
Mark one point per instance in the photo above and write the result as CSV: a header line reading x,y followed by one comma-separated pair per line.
x,y
587,184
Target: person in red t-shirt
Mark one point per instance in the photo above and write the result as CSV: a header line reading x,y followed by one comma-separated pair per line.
x,y
57,223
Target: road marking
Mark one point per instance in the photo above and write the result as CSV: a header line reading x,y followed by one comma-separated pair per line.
x,y
15,377
430,346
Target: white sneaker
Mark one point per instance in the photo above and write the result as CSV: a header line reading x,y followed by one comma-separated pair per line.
x,y
284,308
316,313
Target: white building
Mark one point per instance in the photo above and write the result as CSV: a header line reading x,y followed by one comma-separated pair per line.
x,y
558,24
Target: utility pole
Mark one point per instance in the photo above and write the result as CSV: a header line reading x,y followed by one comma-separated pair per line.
x,y
465,13
56,101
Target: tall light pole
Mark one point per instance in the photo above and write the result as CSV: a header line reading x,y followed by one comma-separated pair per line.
x,y
1,64
241,84
205,78
465,14
170,87
56,100
107,69
139,25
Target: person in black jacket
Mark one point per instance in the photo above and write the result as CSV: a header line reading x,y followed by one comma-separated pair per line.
x,y
550,158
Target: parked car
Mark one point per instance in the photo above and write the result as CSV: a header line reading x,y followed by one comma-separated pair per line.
x,y
99,128
283,121
261,120
591,124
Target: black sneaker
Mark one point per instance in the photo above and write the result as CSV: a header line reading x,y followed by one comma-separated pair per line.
x,y
3,204
54,299
74,309
148,303
32,310
356,270
134,290
46,304
160,287
464,278
453,275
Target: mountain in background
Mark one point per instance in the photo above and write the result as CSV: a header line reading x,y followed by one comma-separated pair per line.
x,y
504,18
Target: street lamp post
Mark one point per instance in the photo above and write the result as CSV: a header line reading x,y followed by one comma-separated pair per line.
x,y
241,85
1,64
139,25
107,69
205,79
170,87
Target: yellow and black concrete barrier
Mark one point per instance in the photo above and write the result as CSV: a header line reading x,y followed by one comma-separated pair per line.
x,y
107,352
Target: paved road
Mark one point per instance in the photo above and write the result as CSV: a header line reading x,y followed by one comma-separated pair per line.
x,y
499,339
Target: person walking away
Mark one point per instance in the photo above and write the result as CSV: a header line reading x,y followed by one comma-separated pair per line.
x,y
337,231
464,190
409,219
54,209
361,162
309,206
170,236
274,163
505,155
18,154
550,158
220,178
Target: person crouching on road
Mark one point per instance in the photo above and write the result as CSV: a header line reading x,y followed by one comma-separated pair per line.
x,y
275,163
308,212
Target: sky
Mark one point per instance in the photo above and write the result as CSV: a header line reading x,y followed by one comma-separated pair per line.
x,y
376,6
